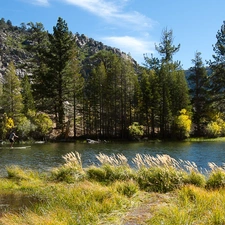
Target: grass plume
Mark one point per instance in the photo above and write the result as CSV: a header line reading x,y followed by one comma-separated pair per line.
x,y
103,194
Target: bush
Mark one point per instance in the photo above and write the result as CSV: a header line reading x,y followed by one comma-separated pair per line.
x,y
196,179
213,129
128,188
17,173
108,173
160,179
216,179
71,171
96,173
67,174
135,129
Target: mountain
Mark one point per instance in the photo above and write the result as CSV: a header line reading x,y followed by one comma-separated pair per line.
x,y
13,42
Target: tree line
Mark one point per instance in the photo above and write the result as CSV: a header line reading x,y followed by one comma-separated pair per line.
x,y
108,96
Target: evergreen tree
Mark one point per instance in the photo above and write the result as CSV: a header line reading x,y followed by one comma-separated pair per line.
x,y
217,66
172,87
199,91
166,47
12,101
28,100
74,86
61,44
149,100
109,94
38,39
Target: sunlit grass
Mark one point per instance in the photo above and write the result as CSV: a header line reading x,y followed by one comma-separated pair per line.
x,y
202,139
103,194
192,206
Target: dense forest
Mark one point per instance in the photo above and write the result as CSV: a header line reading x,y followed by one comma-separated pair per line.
x,y
68,90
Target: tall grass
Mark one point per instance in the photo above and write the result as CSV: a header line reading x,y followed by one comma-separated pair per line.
x,y
71,171
193,205
102,194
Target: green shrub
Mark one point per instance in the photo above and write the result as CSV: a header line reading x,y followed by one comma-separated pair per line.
x,y
17,173
96,173
216,179
67,174
108,173
160,179
128,188
196,179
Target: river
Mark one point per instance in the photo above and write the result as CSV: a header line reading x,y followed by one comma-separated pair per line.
x,y
44,157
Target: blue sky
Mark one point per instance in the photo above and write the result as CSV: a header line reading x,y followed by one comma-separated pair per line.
x,y
134,26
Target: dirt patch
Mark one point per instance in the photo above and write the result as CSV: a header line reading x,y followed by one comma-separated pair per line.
x,y
144,211
16,203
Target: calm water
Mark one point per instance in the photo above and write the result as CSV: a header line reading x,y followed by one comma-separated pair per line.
x,y
44,157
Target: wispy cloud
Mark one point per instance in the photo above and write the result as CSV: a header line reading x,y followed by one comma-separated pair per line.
x,y
38,2
114,12
132,45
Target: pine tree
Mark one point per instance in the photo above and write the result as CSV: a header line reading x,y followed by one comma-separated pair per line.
x,y
172,87
12,101
38,39
217,66
199,91
61,44
74,85
28,100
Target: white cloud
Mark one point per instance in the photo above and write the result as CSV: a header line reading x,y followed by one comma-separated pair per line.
x,y
114,12
135,46
38,2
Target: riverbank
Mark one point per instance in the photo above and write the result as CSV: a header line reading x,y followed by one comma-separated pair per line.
x,y
162,190
202,139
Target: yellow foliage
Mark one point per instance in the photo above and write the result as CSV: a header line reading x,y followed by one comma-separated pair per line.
x,y
183,123
214,129
9,123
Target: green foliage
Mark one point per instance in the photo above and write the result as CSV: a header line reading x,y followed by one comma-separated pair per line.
x,y
217,66
28,100
116,92
61,46
127,188
11,97
108,173
160,179
17,173
195,178
43,123
199,90
216,179
170,86
135,129
24,126
67,174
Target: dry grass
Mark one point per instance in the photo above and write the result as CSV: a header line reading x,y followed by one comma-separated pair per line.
x,y
113,160
68,200
72,159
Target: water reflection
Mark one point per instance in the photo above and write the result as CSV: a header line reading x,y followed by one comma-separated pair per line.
x,y
16,203
44,157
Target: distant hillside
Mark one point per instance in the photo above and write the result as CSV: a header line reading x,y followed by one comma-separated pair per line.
x,y
13,41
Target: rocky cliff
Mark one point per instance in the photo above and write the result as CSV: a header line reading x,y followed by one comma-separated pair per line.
x,y
13,41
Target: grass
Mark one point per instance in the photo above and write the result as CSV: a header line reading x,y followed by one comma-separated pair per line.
x,y
202,139
160,190
192,206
